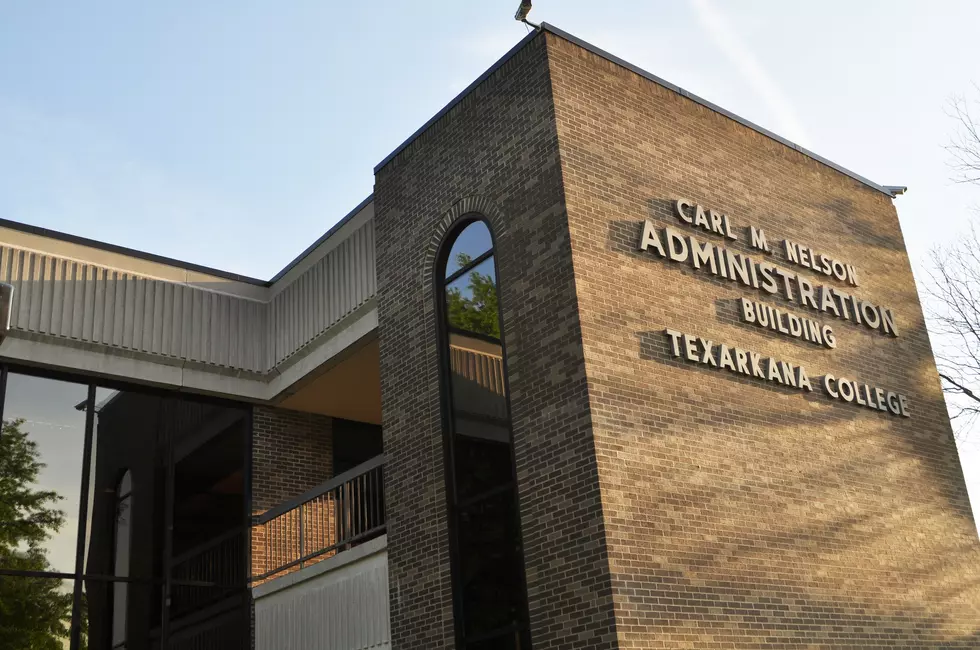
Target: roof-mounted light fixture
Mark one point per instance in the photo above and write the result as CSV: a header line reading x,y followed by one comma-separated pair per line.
x,y
523,11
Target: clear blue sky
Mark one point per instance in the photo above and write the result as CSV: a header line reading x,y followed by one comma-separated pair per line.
x,y
233,133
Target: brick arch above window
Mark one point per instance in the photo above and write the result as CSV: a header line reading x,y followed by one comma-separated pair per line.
x,y
462,208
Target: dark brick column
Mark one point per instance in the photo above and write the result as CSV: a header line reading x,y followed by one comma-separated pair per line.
x,y
495,153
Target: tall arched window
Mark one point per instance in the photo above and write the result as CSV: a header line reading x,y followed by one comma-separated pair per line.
x,y
120,590
489,588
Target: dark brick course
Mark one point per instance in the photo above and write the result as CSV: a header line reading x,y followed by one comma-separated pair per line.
x,y
495,153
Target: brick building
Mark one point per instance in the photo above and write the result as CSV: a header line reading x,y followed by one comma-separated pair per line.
x,y
598,365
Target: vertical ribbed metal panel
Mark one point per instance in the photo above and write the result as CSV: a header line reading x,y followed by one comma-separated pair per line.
x,y
340,282
65,298
344,609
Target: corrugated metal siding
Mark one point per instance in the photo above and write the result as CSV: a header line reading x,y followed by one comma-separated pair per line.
x,y
65,298
343,609
70,299
340,282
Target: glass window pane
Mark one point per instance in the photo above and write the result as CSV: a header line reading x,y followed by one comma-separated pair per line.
x,y
41,453
471,301
472,242
128,469
120,590
125,485
120,601
123,523
481,465
36,612
509,640
105,620
136,436
490,565
479,400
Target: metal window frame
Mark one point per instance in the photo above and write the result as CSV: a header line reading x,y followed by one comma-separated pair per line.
x,y
79,576
443,330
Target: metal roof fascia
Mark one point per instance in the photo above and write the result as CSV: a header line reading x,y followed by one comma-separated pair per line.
x,y
131,252
704,102
324,237
180,264
458,98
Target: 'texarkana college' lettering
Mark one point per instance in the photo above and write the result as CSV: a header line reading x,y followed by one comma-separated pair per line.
x,y
752,364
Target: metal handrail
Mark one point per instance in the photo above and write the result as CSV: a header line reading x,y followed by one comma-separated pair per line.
x,y
337,514
211,543
319,490
221,561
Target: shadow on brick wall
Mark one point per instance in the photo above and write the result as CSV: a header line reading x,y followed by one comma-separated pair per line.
x,y
823,562
654,345
736,615
845,212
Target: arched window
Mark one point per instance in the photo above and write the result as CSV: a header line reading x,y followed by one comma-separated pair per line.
x,y
489,588
120,590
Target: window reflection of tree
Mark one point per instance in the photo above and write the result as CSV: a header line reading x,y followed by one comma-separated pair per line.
x,y
472,307
34,611
490,596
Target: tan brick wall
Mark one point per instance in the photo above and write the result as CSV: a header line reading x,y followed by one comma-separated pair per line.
x,y
738,513
292,452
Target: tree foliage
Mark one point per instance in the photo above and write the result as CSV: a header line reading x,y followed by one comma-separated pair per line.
x,y
35,613
475,309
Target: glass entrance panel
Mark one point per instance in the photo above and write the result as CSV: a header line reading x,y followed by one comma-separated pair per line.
x,y
155,463
42,443
41,459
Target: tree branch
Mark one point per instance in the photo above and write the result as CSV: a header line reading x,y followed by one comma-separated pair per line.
x,y
960,387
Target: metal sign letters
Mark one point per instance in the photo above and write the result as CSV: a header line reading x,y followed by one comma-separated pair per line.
x,y
761,275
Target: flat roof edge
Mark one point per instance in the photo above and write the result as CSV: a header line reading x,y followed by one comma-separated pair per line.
x,y
714,107
131,252
322,238
181,264
457,99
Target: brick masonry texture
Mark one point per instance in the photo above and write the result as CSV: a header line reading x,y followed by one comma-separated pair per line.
x,y
739,514
292,452
495,153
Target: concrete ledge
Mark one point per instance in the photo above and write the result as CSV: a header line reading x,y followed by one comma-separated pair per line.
x,y
360,323
339,560
123,364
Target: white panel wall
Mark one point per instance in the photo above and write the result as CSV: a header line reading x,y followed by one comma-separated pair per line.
x,y
68,299
336,285
59,299
338,604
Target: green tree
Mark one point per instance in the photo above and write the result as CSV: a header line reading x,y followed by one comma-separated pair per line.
x,y
35,614
476,312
